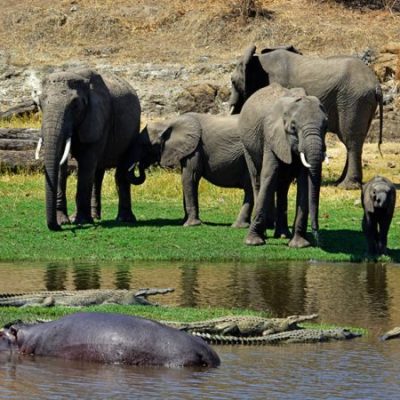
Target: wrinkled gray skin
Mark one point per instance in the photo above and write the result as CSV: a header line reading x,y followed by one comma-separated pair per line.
x,y
101,115
378,198
274,132
348,89
203,145
110,338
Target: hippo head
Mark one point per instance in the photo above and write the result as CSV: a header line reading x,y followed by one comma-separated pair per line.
x,y
7,340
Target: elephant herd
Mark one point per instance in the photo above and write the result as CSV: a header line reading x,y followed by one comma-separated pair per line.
x,y
282,104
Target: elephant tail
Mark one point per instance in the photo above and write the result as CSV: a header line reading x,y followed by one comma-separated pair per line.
x,y
379,99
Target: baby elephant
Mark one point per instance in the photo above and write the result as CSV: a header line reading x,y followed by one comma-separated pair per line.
x,y
203,146
378,198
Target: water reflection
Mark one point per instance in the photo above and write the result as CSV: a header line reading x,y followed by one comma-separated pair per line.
x,y
351,294
55,276
344,370
364,295
123,276
86,276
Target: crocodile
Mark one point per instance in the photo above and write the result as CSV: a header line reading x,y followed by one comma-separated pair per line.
x,y
242,326
392,334
80,298
306,335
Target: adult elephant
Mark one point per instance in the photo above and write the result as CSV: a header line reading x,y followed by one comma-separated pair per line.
x,y
347,88
283,138
202,145
96,118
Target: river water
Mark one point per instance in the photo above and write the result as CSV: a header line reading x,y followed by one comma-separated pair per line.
x,y
365,295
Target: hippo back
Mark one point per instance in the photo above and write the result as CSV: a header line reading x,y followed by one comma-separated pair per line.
x,y
115,338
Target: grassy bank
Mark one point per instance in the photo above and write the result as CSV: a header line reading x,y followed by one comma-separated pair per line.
x,y
32,314
159,235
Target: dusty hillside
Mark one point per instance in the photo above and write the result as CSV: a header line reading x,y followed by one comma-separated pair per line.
x,y
178,54
48,32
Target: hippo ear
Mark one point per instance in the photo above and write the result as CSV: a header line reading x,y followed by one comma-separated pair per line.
x,y
179,140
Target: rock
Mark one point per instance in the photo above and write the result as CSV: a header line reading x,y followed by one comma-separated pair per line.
x,y
391,47
386,66
202,98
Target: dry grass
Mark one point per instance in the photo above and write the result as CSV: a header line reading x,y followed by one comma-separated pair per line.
x,y
47,32
31,120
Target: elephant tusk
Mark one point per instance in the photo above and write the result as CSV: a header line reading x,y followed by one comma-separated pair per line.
x,y
38,147
133,166
231,110
326,158
304,161
66,151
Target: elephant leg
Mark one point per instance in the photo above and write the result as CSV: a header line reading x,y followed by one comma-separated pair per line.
x,y
281,223
353,168
370,230
344,172
86,173
382,238
354,127
191,174
125,213
268,179
253,173
244,217
96,194
61,202
300,222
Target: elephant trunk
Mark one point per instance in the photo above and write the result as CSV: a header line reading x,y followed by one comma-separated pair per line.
x,y
136,179
314,157
55,140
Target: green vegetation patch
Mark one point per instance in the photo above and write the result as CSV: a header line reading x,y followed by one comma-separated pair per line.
x,y
159,235
184,314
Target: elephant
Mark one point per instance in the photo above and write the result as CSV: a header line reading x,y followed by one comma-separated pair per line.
x,y
96,118
378,198
109,338
348,89
202,145
283,138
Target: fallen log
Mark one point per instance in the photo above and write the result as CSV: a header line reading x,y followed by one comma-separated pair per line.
x,y
20,110
18,161
17,149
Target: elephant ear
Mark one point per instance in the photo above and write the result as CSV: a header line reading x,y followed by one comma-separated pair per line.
x,y
290,48
366,197
179,140
277,136
98,112
254,75
248,54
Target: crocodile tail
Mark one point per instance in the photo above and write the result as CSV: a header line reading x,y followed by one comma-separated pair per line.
x,y
379,99
231,340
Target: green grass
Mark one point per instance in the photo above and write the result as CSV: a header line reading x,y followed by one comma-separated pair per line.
x,y
184,314
31,314
158,235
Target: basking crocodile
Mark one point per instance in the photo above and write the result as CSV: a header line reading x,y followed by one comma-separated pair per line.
x,y
242,326
291,336
254,330
392,334
79,298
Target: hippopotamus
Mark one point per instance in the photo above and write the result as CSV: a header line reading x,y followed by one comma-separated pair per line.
x,y
110,338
